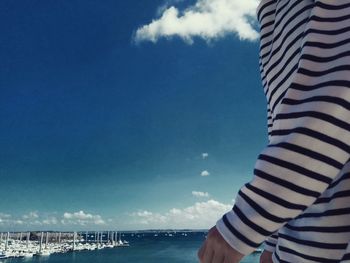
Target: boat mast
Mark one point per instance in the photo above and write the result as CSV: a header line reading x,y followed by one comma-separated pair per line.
x,y
28,237
7,240
46,239
41,242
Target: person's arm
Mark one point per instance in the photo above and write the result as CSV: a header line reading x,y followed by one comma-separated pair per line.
x,y
310,140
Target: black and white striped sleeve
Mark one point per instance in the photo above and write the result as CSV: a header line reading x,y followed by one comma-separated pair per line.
x,y
310,136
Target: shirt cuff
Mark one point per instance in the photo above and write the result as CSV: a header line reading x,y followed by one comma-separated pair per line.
x,y
271,242
232,240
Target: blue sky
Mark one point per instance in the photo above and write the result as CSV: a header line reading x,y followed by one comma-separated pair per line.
x,y
126,114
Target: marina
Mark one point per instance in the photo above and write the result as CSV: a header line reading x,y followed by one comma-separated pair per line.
x,y
158,246
30,244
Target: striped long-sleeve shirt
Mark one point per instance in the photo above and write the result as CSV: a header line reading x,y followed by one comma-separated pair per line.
x,y
299,198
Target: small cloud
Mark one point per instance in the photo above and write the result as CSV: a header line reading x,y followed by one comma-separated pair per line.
x,y
205,155
208,19
200,194
81,218
205,173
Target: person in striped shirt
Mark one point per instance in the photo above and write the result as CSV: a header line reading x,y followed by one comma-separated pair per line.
x,y
298,201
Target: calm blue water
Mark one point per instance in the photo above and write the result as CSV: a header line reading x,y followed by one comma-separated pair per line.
x,y
144,248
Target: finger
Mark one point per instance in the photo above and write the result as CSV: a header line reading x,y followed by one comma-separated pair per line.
x,y
208,255
201,251
218,258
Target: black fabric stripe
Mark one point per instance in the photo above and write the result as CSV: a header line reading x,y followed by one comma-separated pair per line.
x,y
267,34
270,244
309,153
236,233
262,211
326,45
308,257
262,46
312,73
329,19
314,134
313,243
332,7
339,194
335,100
264,7
324,59
286,184
280,260
250,223
296,168
328,229
346,256
336,83
280,97
275,199
333,212
266,25
327,32
335,183
314,114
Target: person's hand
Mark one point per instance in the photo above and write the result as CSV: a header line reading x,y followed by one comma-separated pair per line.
x,y
266,257
216,250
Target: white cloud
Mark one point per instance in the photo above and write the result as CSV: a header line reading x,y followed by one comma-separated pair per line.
x,y
4,218
200,194
18,222
198,216
3,215
208,19
50,221
81,218
66,220
205,173
205,155
146,218
31,215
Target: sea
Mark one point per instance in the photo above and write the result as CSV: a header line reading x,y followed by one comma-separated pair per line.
x,y
145,247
